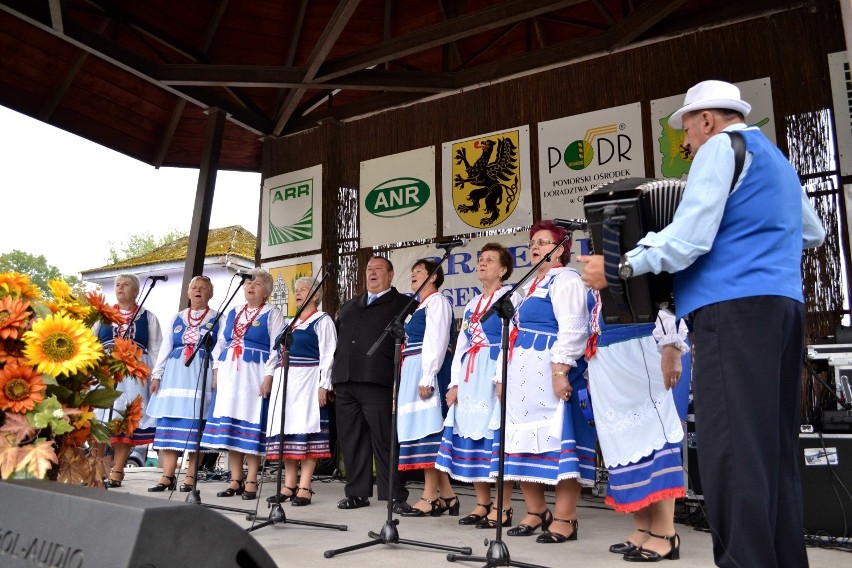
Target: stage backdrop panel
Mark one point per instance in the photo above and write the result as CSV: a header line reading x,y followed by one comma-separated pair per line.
x,y
397,198
291,213
841,96
284,275
486,181
460,281
578,153
669,158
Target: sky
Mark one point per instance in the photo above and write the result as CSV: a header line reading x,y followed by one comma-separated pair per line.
x,y
66,198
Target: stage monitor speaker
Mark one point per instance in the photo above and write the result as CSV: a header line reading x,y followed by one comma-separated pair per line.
x,y
825,468
51,524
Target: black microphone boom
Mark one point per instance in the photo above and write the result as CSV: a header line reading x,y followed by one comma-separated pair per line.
x,y
571,225
449,245
243,276
163,277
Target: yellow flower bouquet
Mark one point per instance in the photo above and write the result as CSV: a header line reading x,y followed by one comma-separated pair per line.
x,y
53,374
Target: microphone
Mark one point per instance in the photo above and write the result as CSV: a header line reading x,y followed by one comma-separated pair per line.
x,y
243,276
571,225
449,245
164,277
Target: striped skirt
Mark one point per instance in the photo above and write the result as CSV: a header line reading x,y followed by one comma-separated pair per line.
x,y
654,478
314,445
177,434
226,433
465,459
419,454
140,437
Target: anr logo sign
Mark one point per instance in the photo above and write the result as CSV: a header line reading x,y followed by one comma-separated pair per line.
x,y
397,197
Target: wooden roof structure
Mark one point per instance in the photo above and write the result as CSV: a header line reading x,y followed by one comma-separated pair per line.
x,y
138,77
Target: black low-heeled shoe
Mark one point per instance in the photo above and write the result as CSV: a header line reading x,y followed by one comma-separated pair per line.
x,y
550,537
526,530
230,491
626,546
444,506
114,483
281,497
249,495
487,523
415,512
473,518
160,487
645,555
186,487
297,501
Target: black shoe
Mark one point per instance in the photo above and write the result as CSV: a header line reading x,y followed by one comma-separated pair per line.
x,y
644,555
186,487
297,501
250,495
550,537
444,505
415,512
526,530
280,497
353,503
400,507
473,518
626,546
160,487
231,491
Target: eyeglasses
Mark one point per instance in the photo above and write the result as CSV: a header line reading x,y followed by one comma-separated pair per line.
x,y
540,242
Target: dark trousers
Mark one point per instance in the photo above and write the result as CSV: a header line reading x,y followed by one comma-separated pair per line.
x,y
363,412
747,384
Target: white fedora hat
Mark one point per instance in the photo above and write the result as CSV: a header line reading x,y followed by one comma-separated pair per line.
x,y
710,94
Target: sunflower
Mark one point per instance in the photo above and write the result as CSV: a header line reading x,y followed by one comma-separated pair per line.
x,y
20,388
60,290
69,309
108,313
128,356
17,284
12,351
82,422
14,317
60,345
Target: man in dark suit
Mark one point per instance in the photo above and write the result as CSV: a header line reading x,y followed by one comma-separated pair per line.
x,y
364,388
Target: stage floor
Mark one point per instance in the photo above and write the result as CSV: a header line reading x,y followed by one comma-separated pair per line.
x,y
294,545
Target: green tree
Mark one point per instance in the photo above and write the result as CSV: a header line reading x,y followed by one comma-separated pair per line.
x,y
36,267
138,244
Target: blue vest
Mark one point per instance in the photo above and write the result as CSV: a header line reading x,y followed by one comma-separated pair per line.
x,y
138,332
255,341
758,249
179,328
304,352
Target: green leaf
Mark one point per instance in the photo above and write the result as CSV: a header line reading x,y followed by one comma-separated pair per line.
x,y
59,392
100,431
101,398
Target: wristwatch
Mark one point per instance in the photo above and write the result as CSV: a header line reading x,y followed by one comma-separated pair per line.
x,y
625,269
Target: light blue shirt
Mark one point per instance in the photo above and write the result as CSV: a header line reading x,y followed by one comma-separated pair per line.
x,y
696,222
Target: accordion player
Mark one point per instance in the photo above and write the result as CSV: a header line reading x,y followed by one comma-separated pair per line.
x,y
619,214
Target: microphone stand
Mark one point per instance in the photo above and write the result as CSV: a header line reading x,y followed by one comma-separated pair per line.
x,y
498,553
206,343
285,340
389,533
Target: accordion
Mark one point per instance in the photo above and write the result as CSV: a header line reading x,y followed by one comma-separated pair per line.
x,y
622,212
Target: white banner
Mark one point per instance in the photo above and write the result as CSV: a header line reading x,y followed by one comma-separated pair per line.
x,y
669,160
397,198
284,275
460,281
291,213
841,87
486,182
578,153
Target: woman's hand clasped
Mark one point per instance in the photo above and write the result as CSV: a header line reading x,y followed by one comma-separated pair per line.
x,y
559,379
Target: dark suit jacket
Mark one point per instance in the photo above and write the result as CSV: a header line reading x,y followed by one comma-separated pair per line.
x,y
358,327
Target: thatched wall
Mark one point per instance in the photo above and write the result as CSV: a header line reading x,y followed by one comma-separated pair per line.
x,y
790,48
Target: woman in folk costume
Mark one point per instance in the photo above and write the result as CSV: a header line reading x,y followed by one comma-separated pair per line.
x,y
144,330
176,389
474,415
423,385
638,427
548,441
305,437
242,381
